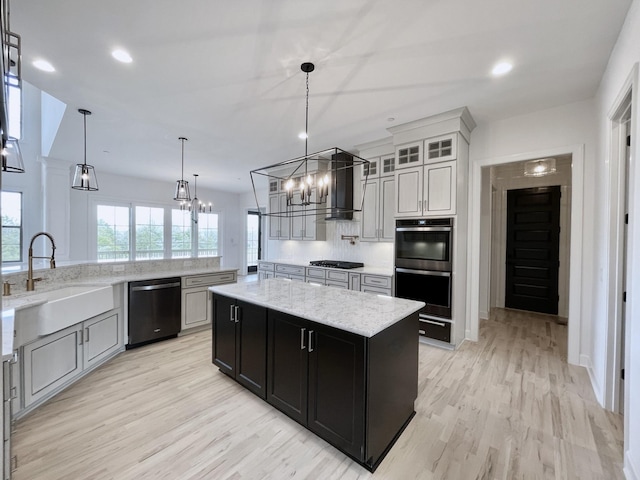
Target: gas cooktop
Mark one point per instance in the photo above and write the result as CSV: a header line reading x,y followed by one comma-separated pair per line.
x,y
336,264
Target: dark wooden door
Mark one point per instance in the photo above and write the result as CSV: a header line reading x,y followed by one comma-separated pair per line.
x,y
251,347
224,335
287,365
533,244
336,388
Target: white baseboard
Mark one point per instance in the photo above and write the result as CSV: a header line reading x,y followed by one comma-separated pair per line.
x,y
585,361
630,470
484,315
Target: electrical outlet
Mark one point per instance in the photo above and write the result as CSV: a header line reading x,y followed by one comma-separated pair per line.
x,y
118,268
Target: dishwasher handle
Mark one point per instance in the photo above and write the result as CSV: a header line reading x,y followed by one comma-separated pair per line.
x,y
155,287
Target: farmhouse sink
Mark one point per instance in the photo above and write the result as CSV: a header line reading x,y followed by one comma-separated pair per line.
x,y
71,305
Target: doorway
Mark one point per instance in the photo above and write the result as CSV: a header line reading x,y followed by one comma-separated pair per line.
x,y
254,240
533,248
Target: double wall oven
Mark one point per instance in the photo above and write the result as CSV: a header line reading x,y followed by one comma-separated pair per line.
x,y
423,271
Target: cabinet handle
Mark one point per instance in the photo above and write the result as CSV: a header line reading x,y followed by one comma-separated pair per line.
x,y
422,332
87,339
231,312
419,205
440,324
81,338
237,316
302,345
310,336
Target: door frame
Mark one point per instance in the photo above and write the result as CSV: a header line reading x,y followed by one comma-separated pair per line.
x,y
617,185
575,253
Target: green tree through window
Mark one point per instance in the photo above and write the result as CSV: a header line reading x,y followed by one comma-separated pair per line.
x,y
11,226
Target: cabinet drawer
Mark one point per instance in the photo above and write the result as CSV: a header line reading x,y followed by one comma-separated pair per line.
x,y
330,283
436,329
316,272
376,290
266,266
338,276
206,280
376,281
290,269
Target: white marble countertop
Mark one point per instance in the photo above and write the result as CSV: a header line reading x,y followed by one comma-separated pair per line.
x,y
357,312
384,271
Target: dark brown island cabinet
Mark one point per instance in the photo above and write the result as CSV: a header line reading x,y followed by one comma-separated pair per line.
x,y
353,391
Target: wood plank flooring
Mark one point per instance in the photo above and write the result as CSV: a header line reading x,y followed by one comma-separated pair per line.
x,y
507,407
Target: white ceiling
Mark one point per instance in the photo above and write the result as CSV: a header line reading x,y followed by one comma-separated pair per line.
x,y
227,74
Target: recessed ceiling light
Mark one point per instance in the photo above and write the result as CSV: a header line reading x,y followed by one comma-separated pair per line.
x,y
501,69
44,66
302,135
121,55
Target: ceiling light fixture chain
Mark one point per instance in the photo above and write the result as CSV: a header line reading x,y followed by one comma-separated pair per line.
x,y
306,184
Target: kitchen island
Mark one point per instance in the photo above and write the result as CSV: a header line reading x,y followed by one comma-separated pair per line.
x,y
343,364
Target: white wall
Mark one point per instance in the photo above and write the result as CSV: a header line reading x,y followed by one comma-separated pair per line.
x,y
624,58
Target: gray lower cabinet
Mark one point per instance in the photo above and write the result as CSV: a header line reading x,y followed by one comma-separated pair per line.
x,y
53,361
196,301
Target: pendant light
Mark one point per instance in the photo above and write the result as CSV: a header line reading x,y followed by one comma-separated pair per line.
x,y
85,176
182,186
305,186
196,206
12,157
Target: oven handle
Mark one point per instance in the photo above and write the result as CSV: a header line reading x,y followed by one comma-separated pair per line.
x,y
424,272
423,229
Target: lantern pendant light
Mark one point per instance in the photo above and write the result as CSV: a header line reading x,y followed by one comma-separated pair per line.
x,y
182,186
85,176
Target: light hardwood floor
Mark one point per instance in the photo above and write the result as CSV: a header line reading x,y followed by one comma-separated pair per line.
x,y
507,407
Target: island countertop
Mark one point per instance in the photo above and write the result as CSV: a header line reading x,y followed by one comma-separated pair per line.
x,y
362,313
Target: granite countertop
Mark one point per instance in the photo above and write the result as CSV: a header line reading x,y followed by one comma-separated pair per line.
x,y
384,271
32,299
357,312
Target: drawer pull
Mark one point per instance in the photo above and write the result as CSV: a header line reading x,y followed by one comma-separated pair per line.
x,y
302,345
422,332
440,324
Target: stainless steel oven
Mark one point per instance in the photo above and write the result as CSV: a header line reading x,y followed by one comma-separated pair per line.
x,y
423,251
424,244
431,287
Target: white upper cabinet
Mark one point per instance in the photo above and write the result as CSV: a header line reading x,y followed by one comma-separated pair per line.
x,y
408,155
439,189
440,149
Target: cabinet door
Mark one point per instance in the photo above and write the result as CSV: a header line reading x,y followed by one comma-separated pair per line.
x,y
101,338
224,334
297,222
440,188
287,365
274,222
251,348
195,307
284,232
336,387
51,362
386,209
408,155
408,192
369,223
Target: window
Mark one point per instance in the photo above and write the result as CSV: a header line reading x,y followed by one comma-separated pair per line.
x,y
207,234
113,233
149,233
180,233
11,227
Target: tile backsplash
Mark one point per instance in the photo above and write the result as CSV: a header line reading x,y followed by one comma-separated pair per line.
x,y
372,254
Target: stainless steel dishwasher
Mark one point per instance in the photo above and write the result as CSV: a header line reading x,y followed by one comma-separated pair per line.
x,y
154,310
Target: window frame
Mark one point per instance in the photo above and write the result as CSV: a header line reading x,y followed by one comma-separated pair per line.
x,y
21,229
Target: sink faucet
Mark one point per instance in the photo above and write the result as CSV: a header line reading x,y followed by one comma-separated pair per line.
x,y
30,280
